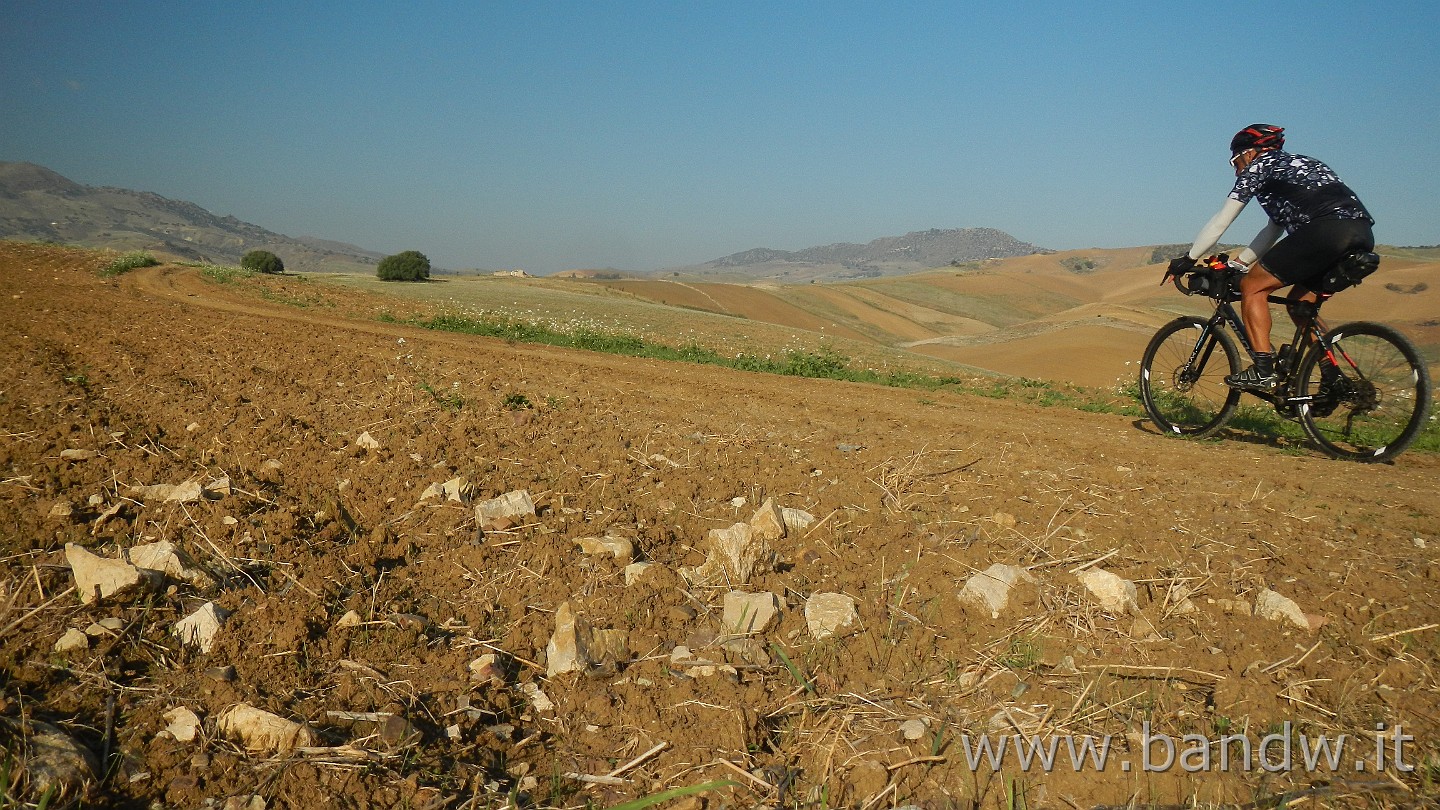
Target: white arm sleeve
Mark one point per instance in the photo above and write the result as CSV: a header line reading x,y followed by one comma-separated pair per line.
x,y
1215,228
1262,242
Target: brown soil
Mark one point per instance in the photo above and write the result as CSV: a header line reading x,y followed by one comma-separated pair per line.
x,y
170,377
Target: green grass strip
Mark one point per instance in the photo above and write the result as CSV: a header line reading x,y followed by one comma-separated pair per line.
x,y
827,363
824,363
676,793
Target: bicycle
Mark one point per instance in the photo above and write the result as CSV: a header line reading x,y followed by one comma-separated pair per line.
x,y
1360,391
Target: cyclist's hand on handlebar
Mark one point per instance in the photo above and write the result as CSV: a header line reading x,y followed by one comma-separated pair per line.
x,y
1178,266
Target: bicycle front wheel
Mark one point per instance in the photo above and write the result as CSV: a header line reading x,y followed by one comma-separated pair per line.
x,y
1182,378
1371,403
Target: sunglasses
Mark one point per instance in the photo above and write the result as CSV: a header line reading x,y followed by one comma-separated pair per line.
x,y
1237,157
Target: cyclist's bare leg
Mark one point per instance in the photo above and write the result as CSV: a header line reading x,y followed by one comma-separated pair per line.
x,y
1299,294
1255,287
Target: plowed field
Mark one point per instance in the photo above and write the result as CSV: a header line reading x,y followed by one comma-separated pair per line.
x,y
166,378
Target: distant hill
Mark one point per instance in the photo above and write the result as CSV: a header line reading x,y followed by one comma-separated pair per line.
x,y
37,204
887,256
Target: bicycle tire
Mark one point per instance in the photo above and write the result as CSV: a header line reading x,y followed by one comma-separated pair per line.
x,y
1381,407
1193,402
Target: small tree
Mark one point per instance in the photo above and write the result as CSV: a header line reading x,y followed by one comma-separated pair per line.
x,y
411,265
262,261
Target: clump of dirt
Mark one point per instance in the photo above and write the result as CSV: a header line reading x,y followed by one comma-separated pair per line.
x,y
409,643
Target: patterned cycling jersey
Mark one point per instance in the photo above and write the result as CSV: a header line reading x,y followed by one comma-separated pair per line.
x,y
1295,190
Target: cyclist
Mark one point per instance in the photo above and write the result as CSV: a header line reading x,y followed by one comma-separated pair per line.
x,y
1319,217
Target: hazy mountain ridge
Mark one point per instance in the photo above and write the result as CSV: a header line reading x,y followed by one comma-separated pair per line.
x,y
38,204
886,256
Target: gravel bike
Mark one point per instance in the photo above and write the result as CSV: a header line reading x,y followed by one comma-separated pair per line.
x,y
1360,391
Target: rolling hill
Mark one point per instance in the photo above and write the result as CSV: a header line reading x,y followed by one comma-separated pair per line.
x,y
39,205
1073,316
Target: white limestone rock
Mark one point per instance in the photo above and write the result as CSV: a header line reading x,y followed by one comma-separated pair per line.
x,y
72,641
261,731
1276,608
182,724
185,492
169,560
1114,593
200,628
621,548
749,613
576,646
508,510
103,576
831,614
989,590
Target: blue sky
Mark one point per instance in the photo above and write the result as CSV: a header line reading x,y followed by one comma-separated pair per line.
x,y
642,135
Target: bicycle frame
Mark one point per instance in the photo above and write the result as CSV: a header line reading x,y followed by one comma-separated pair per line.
x,y
1309,330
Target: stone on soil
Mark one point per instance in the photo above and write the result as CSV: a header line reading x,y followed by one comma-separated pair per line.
x,y
913,729
50,758
504,511
989,590
537,697
170,493
694,666
73,641
488,668
1271,605
634,571
199,628
109,577
732,557
576,646
170,561
830,614
183,724
618,547
768,522
261,731
1115,595
108,626
797,519
749,613
457,490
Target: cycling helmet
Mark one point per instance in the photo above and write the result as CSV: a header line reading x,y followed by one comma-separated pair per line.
x,y
1257,136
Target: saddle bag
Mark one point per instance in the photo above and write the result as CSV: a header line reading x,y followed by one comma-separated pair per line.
x,y
1349,271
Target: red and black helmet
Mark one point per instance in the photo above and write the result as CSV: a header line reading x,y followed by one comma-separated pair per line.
x,y
1257,136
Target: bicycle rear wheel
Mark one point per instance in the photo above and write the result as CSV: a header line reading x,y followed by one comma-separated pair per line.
x,y
1375,405
1182,378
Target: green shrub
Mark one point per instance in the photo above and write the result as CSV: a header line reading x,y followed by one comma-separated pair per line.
x,y
411,265
1079,264
128,262
262,261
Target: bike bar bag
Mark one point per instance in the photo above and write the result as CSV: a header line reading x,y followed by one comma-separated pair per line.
x,y
1203,282
1348,272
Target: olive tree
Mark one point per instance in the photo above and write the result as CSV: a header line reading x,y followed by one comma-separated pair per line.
x,y
411,265
262,261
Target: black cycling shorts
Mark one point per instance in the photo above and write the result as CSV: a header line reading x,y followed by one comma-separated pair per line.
x,y
1305,255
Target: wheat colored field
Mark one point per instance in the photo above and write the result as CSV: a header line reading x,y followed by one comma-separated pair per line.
x,y
1029,316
